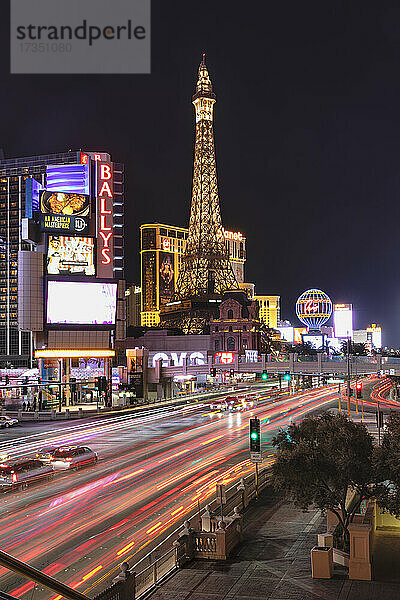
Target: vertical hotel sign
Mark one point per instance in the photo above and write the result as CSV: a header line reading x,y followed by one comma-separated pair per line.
x,y
105,198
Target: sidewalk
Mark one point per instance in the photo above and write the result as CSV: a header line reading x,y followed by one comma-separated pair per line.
x,y
273,562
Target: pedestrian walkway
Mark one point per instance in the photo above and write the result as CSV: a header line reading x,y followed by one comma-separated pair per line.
x,y
272,563
387,555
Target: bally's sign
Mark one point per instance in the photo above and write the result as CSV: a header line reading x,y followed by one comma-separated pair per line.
x,y
176,359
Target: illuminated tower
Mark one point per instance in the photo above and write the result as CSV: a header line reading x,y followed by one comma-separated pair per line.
x,y
205,264
206,272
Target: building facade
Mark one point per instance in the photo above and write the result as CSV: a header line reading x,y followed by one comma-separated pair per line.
x,y
237,327
15,345
133,297
270,310
161,250
71,291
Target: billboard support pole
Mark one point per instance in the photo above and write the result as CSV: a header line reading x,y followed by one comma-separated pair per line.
x,y
348,376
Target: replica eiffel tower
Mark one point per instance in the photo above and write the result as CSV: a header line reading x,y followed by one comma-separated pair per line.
x,y
206,272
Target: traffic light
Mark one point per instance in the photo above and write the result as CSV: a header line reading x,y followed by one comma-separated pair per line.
x,y
379,418
359,389
287,376
264,375
232,372
213,372
255,437
72,384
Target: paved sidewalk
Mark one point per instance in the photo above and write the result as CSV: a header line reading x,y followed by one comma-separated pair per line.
x,y
273,563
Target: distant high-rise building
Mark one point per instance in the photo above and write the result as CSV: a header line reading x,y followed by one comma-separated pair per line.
x,y
161,251
133,297
269,310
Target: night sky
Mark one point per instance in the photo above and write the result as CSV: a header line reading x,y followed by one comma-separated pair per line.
x,y
307,128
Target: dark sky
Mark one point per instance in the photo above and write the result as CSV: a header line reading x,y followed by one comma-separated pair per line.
x,y
307,126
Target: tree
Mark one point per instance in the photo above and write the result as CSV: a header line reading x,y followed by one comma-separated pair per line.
x,y
306,348
355,349
320,459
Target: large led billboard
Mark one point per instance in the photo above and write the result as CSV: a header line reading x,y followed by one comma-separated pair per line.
x,y
166,277
81,303
343,320
68,255
62,212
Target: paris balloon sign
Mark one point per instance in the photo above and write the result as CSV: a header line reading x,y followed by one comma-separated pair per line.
x,y
313,308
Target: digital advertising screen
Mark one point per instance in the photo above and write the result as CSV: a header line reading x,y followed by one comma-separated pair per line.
x,y
343,320
63,212
316,341
81,303
166,277
67,255
287,334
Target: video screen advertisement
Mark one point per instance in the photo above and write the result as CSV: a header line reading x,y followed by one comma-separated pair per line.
x,y
166,277
81,303
67,255
62,212
343,320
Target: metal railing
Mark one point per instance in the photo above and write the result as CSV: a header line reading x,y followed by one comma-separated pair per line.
x,y
13,564
166,564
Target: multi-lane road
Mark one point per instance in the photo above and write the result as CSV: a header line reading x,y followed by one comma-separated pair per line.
x,y
153,470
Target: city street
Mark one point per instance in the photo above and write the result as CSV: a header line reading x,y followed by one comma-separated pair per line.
x,y
152,471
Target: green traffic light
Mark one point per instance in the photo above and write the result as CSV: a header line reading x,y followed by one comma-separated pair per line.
x,y
264,376
254,435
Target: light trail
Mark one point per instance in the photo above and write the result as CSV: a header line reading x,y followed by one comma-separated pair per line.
x,y
117,509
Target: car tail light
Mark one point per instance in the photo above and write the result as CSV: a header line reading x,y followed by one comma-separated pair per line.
x,y
14,478
68,459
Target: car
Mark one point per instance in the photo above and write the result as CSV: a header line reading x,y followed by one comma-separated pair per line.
x,y
19,472
72,457
6,421
251,401
218,405
46,454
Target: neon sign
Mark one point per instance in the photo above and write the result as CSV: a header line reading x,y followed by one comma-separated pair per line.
x,y
177,360
105,196
233,235
224,358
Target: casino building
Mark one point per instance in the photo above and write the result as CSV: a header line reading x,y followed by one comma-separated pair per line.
x,y
62,260
161,251
16,346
